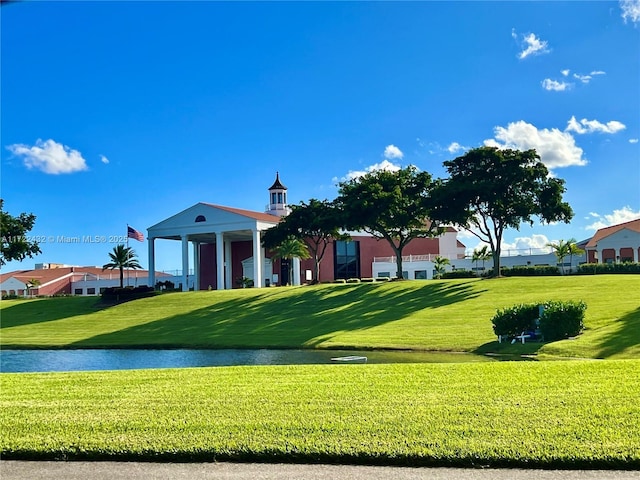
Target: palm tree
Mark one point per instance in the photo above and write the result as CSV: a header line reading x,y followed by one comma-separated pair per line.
x,y
122,257
481,254
574,249
33,283
561,249
439,264
291,248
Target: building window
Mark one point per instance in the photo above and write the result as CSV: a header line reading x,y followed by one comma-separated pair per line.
x,y
102,290
273,198
91,291
420,275
200,218
384,274
347,259
78,291
279,197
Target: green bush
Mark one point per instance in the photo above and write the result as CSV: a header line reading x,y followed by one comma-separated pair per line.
x,y
535,271
603,268
353,280
562,320
559,319
515,320
459,274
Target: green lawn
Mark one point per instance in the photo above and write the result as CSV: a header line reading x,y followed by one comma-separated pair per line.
x,y
448,315
529,414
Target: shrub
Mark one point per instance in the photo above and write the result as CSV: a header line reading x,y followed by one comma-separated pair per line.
x,y
368,280
535,271
562,320
602,268
459,274
353,280
339,280
117,294
515,320
559,319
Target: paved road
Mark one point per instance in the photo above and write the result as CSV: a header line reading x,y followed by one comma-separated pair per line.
x,y
10,470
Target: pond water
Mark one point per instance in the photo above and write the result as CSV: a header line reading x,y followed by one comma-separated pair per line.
x,y
126,359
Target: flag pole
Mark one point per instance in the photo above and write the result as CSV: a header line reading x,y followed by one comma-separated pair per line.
x,y
127,253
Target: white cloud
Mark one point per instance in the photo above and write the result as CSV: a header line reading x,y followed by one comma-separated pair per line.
x,y
391,152
582,78
104,159
565,72
622,215
532,45
554,85
591,126
535,244
630,10
556,148
49,157
598,72
383,165
633,140
455,147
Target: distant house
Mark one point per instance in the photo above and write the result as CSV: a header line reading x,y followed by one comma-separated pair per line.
x,y
615,244
57,279
226,241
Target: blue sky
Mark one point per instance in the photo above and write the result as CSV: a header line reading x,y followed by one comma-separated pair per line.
x,y
116,113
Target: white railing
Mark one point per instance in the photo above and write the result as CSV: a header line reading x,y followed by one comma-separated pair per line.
x,y
430,257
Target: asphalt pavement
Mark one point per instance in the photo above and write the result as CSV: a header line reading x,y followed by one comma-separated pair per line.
x,y
10,470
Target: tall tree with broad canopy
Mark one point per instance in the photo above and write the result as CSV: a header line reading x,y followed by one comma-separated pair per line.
x,y
489,190
390,206
316,223
15,244
122,257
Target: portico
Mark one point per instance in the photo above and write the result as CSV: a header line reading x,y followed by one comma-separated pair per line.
x,y
222,237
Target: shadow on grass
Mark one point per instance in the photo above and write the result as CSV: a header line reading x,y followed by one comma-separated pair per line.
x,y
305,319
28,312
626,336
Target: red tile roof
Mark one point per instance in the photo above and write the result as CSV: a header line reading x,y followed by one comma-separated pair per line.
x,y
263,217
633,225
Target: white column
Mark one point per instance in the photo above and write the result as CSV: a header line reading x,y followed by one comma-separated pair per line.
x,y
220,261
635,255
228,265
257,260
152,262
296,271
196,266
185,263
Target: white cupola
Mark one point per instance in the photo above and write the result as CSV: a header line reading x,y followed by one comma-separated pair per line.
x,y
278,199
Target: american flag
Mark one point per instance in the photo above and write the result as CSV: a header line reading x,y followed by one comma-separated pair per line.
x,y
133,233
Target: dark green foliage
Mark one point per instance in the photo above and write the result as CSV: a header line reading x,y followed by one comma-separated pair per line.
x,y
603,268
536,271
559,319
562,320
124,294
459,274
15,244
391,206
491,189
515,320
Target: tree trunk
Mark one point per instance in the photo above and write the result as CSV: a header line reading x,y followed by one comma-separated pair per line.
x,y
121,277
496,264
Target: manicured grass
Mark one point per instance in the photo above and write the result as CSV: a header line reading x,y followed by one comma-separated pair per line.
x,y
534,414
448,315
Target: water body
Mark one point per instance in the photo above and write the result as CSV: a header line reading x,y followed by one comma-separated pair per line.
x,y
127,359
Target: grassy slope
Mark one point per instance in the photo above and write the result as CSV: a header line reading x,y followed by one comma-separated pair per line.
x,y
435,315
534,414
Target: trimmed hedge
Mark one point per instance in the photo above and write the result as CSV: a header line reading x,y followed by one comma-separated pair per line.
x,y
602,268
559,320
117,294
562,320
459,274
535,271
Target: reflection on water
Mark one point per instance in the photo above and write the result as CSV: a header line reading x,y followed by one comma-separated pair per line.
x,y
126,359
